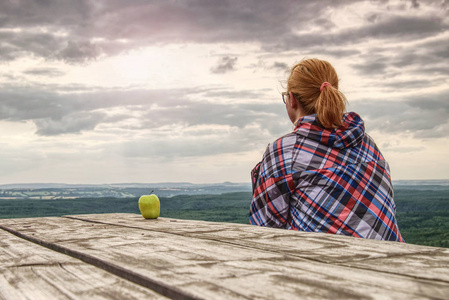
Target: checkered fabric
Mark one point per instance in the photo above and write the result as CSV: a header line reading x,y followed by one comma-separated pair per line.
x,y
326,180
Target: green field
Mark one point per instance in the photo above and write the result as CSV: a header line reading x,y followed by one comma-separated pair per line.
x,y
229,207
422,211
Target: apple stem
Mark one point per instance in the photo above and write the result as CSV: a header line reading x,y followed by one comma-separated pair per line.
x,y
152,192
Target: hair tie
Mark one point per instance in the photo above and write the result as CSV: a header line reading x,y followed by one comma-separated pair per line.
x,y
325,84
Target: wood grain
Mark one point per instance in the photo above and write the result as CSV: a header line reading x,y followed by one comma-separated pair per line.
x,y
29,271
391,257
232,261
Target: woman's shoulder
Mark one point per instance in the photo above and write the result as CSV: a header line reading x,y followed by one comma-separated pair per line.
x,y
283,143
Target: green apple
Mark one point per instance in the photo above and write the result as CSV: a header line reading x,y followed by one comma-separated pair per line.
x,y
149,206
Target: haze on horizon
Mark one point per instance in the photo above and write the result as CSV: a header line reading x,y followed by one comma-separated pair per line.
x,y
189,91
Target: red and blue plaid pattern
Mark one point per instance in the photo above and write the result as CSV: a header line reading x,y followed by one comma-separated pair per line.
x,y
326,180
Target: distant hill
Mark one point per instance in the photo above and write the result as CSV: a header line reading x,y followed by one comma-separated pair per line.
x,y
50,191
41,191
441,182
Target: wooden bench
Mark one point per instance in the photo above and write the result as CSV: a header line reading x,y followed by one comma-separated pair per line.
x,y
123,256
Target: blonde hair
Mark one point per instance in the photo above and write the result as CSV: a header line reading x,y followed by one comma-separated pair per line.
x,y
305,81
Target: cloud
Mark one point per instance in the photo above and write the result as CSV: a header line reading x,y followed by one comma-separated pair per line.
x,y
405,27
47,72
280,66
225,64
210,144
72,123
206,130
27,103
374,66
78,52
335,51
56,113
421,116
423,60
20,43
223,93
82,31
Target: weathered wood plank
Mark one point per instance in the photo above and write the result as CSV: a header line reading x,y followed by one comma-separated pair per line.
x,y
391,257
231,261
29,271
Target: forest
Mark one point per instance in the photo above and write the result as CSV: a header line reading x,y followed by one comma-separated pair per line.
x,y
422,211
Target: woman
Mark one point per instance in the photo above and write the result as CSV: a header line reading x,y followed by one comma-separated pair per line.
x,y
328,174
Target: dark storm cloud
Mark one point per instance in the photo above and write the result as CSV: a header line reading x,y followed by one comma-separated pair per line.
x,y
79,31
76,31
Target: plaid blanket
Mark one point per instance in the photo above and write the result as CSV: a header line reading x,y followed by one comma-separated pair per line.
x,y
325,180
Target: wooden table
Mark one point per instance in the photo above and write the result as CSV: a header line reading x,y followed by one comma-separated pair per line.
x,y
123,256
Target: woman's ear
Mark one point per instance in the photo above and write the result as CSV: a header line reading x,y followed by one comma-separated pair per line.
x,y
296,106
293,101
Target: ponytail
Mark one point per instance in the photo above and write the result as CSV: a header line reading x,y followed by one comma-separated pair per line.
x,y
330,106
316,83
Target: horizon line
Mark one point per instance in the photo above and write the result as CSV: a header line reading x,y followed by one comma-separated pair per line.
x,y
176,182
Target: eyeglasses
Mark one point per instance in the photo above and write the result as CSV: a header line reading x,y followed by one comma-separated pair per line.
x,y
285,97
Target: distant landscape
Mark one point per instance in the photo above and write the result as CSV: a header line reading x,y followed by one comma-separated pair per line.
x,y
422,206
54,191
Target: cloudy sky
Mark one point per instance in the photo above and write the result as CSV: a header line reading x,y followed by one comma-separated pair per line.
x,y
172,90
